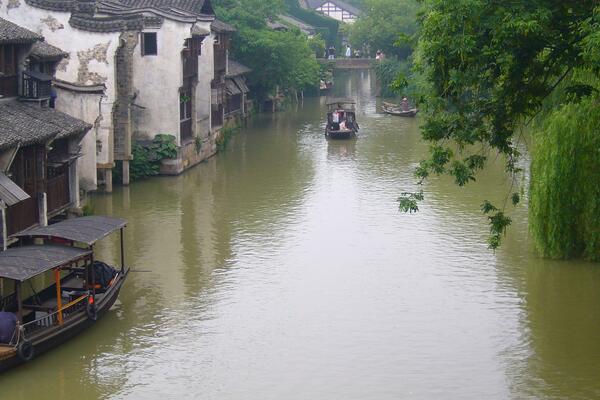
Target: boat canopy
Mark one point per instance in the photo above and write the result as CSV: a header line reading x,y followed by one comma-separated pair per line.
x,y
86,230
343,103
23,263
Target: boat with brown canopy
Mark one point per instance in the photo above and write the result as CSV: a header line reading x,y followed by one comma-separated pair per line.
x,y
341,118
32,322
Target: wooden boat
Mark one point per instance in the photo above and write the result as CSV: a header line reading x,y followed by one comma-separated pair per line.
x,y
394,109
341,119
83,290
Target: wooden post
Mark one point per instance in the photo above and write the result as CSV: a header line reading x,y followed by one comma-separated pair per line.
x,y
122,253
125,172
58,296
19,302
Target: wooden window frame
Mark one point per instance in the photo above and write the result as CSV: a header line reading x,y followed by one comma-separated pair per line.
x,y
143,41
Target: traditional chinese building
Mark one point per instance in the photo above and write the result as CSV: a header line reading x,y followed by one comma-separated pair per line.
x,y
135,69
335,9
39,146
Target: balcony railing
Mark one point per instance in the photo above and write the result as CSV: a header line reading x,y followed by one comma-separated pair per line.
x,y
36,86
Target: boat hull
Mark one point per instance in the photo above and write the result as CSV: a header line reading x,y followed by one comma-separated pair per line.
x,y
51,338
340,134
408,114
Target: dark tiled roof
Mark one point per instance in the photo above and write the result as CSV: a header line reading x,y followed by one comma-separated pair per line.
x,y
86,230
184,10
276,25
22,263
306,28
45,51
221,27
235,68
13,33
27,124
10,192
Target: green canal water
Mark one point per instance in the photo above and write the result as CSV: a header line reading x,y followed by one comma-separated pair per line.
x,y
281,269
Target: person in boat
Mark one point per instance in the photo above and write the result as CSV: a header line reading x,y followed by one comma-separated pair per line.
x,y
404,104
335,120
8,323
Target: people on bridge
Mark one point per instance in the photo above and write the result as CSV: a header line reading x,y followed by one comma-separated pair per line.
x,y
331,53
348,51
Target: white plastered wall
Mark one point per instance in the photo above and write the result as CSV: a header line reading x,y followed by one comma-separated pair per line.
x,y
206,72
157,80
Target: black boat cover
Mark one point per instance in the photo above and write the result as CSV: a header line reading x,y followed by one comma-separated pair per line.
x,y
8,322
103,273
22,263
86,230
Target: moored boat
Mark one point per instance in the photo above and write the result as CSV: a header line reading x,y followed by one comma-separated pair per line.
x,y
83,290
394,109
341,119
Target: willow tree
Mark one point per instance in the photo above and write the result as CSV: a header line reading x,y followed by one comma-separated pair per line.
x,y
490,66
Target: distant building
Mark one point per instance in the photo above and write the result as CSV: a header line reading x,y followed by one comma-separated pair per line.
x,y
335,9
237,102
305,28
39,146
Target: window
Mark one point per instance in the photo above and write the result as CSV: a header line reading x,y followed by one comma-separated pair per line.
x,y
149,44
185,105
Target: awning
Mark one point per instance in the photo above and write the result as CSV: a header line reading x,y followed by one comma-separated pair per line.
x,y
86,230
22,263
241,83
232,89
10,192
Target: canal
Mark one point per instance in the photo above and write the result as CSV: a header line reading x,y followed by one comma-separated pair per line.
x,y
282,269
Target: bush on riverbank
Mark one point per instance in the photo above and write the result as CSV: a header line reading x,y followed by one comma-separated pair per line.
x,y
565,175
147,157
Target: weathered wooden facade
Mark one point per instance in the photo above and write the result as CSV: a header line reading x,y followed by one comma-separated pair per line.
x,y
221,43
39,146
237,104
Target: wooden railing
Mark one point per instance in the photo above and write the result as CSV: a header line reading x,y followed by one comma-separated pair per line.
x,y
8,302
52,319
36,85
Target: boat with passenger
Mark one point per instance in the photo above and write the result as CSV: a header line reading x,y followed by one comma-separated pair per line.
x,y
341,118
397,110
83,289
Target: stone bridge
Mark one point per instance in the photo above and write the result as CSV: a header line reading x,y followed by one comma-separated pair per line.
x,y
350,63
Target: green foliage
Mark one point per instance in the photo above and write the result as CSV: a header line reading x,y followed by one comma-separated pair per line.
x,y
224,137
277,59
565,175
492,67
387,25
147,158
409,202
87,210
